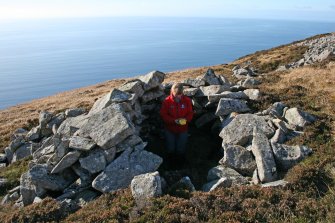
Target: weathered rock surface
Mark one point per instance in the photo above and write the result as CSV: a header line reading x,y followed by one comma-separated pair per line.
x,y
227,94
68,160
146,186
152,80
227,106
94,162
266,166
288,156
240,130
81,143
107,127
299,118
121,171
239,159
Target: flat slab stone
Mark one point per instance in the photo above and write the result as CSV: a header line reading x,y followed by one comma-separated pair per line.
x,y
81,143
227,94
107,127
288,156
299,118
227,106
120,172
67,161
152,80
213,89
239,159
266,165
94,162
114,96
240,130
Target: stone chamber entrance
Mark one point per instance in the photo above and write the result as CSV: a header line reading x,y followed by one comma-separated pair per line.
x,y
203,151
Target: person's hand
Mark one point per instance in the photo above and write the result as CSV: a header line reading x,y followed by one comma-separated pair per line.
x,y
181,121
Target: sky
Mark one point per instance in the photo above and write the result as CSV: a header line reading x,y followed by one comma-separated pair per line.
x,y
315,10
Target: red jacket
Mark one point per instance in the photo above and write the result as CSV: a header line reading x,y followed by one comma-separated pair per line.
x,y
172,110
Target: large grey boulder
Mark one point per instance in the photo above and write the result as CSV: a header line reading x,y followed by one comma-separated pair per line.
x,y
266,165
190,92
219,172
227,94
152,80
252,94
71,125
94,162
227,106
41,177
239,159
151,95
134,87
210,78
196,83
74,112
68,160
219,183
21,152
240,130
45,117
81,143
34,134
288,156
250,83
27,189
107,127
212,90
119,173
299,118
146,186
114,96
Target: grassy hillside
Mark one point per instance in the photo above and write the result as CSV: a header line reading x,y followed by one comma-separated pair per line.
x,y
309,196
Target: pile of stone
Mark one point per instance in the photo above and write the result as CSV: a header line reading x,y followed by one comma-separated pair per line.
x,y
76,155
319,49
79,155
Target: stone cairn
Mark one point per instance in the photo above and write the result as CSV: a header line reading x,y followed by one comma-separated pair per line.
x,y
78,155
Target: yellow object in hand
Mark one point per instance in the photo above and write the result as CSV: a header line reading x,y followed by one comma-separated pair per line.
x,y
182,121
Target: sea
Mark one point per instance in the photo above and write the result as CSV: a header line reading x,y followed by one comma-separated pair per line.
x,y
41,57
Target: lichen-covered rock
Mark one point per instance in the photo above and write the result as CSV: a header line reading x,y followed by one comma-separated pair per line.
x,y
212,90
68,160
288,156
252,94
240,130
94,162
114,96
196,83
266,165
227,106
146,186
219,172
239,159
81,143
21,152
152,80
299,118
134,87
120,172
74,112
107,127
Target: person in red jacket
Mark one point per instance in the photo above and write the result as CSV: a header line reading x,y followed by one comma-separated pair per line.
x,y
176,112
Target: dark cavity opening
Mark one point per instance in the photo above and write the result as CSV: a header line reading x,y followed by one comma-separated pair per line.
x,y
203,150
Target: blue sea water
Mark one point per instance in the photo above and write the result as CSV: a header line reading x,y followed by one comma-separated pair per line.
x,y
42,57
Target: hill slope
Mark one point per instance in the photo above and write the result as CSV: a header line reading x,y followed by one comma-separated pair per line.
x,y
308,197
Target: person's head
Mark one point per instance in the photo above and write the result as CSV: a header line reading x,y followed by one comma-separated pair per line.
x,y
177,90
